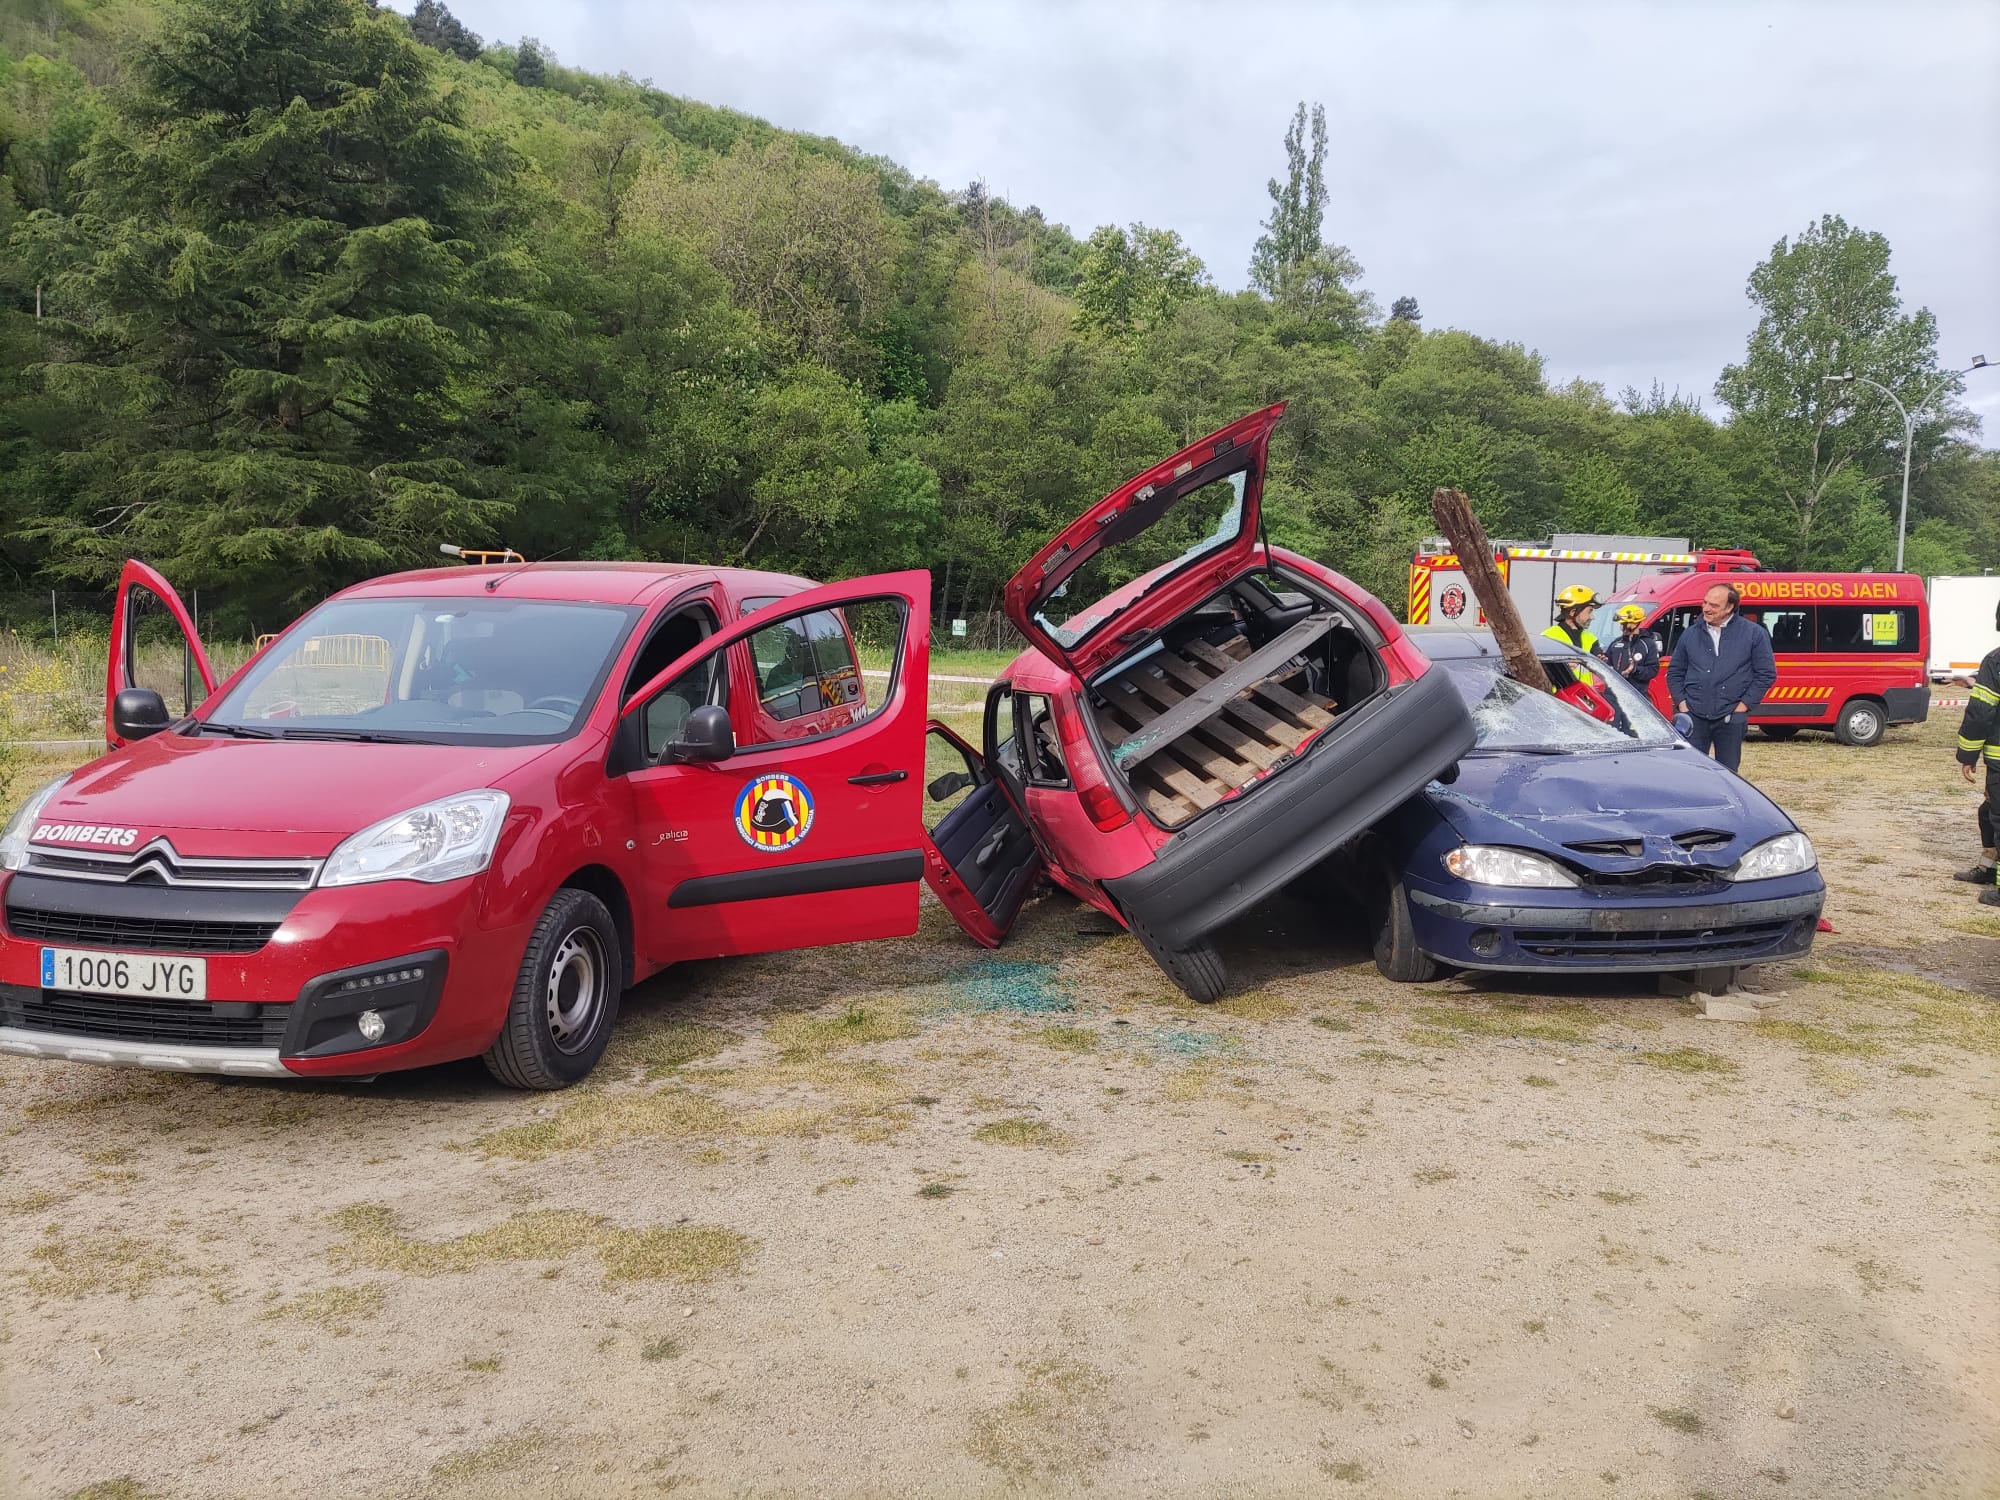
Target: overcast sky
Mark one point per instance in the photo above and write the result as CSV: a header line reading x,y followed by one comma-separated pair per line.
x,y
1593,180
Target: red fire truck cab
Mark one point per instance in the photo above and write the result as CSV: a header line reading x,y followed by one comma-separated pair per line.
x,y
1851,647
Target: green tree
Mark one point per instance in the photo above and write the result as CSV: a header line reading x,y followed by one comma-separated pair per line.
x,y
287,272
1132,280
1298,204
1828,305
433,24
530,64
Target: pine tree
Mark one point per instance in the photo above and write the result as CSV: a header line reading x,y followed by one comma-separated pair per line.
x,y
436,27
1406,309
530,64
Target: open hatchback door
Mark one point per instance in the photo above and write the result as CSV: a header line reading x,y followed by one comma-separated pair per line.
x,y
1152,548
153,646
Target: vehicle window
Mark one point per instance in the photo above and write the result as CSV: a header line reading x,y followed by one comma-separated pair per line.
x,y
809,675
1041,752
1673,624
751,606
1204,520
157,654
703,683
833,654
1860,628
1790,627
448,670
1508,716
1002,753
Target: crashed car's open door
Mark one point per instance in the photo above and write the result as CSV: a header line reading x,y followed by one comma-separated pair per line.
x,y
979,858
177,669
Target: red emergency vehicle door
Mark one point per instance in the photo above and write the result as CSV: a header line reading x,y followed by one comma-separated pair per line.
x,y
173,664
791,840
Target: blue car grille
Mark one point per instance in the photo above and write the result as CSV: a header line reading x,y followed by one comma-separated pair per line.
x,y
1708,945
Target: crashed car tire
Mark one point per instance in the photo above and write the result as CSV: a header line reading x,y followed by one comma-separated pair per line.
x,y
1397,955
1197,970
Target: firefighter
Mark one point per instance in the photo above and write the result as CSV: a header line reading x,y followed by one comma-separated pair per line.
x,y
1574,607
1635,654
1979,739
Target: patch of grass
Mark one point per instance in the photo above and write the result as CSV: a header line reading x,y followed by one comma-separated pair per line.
x,y
683,1252
1054,1426
936,1190
1517,1019
1436,1381
488,1366
1817,1039
111,1098
808,1035
1259,1005
1688,1060
1023,1132
1976,926
1432,1175
491,1459
122,1488
663,1347
663,1045
1539,1081
837,1182
1677,1417
1068,1038
1916,1070
1332,1023
38,1201
1613,1196
98,1263
1534,1325
1196,1081
1347,1471
586,1121
334,1308
1249,1156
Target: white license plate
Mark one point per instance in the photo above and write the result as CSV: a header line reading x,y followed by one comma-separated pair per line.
x,y
147,975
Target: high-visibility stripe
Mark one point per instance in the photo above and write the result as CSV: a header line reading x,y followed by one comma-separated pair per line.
x,y
1984,695
1420,595
1971,746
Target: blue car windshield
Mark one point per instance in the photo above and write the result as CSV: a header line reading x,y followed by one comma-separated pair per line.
x,y
1507,716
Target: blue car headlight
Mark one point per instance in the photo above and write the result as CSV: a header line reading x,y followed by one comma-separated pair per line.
x,y
1787,854
1489,864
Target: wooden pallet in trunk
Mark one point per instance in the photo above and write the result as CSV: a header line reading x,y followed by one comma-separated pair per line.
x,y
1206,720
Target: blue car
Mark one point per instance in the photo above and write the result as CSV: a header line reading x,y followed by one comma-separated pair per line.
x,y
1567,842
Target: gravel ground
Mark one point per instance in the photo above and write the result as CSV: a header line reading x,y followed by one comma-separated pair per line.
x,y
912,1218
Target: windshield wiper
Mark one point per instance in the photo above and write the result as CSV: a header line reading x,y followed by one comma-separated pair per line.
x,y
358,736
234,731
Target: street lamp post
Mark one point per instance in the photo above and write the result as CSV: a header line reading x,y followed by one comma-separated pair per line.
x,y
1909,429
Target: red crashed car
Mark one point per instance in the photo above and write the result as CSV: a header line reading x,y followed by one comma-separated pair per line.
x,y
1200,719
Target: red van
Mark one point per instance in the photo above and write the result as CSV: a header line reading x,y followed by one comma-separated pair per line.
x,y
1851,647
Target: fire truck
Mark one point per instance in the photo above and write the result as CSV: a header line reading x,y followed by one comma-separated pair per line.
x,y
1850,647
1535,571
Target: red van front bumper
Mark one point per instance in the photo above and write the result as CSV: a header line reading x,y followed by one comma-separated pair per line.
x,y
290,1000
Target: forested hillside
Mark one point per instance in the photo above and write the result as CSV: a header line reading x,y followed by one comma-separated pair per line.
x,y
292,290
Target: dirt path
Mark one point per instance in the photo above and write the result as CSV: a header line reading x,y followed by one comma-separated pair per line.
x,y
910,1218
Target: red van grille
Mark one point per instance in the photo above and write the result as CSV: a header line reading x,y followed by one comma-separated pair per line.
x,y
151,934
177,1022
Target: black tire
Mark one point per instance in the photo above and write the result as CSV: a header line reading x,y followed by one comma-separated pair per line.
x,y
1780,731
1862,721
1397,955
565,999
1197,969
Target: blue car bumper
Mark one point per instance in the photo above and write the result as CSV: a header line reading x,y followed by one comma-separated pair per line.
x,y
1475,927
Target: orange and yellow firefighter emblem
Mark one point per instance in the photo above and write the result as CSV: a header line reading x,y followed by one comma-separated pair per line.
x,y
774,812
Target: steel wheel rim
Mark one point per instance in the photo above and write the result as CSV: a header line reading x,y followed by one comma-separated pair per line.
x,y
1864,724
575,989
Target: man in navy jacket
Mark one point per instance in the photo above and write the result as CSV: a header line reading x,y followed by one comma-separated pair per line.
x,y
1720,671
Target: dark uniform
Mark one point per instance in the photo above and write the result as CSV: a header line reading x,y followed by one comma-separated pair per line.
x,y
1979,739
1635,656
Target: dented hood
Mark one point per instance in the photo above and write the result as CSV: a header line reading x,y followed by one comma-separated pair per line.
x,y
1551,803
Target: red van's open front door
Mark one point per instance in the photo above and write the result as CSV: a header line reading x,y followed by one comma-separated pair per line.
x,y
154,645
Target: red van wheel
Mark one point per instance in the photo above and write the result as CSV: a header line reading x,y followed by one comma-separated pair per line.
x,y
1862,721
565,998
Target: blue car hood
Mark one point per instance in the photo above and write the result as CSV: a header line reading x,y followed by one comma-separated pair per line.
x,y
1545,802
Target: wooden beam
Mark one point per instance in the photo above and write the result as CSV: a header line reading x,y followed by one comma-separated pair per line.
x,y
1206,702
1475,558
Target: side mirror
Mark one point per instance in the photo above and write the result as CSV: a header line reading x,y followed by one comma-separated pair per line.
x,y
138,712
705,735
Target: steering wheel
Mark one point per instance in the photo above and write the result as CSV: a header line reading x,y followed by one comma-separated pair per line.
x,y
558,703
